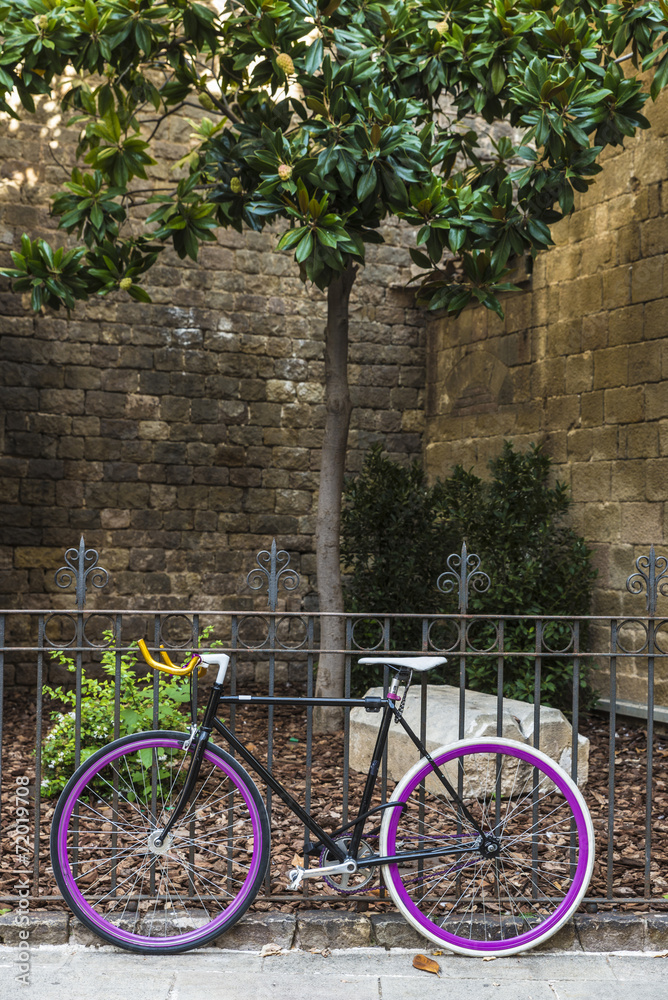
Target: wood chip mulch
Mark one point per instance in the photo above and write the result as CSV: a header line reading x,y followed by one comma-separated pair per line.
x,y
633,889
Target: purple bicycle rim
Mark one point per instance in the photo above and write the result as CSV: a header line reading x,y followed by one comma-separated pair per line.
x,y
543,928
192,937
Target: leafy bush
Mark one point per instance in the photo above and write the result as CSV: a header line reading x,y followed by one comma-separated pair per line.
x,y
393,545
398,533
98,701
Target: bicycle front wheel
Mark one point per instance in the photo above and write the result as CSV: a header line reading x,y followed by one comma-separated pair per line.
x,y
158,899
509,889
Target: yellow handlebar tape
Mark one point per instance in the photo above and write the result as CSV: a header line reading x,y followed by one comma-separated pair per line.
x,y
167,666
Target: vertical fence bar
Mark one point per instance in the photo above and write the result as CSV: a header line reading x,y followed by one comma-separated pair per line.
x,y
537,679
576,701
234,638
575,730
350,628
611,754
499,679
271,639
462,677
194,677
78,681
387,645
309,740
2,706
499,721
157,630
651,625
118,638
118,632
536,742
423,785
38,757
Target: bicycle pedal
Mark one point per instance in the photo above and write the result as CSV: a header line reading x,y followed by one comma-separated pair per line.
x,y
295,879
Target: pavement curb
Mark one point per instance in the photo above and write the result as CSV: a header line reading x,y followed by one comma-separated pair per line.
x,y
321,930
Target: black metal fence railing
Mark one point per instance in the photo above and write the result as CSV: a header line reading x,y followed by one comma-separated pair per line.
x,y
90,653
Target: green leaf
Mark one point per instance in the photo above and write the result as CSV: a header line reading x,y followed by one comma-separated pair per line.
x,y
305,247
420,258
366,185
314,57
497,75
290,239
456,238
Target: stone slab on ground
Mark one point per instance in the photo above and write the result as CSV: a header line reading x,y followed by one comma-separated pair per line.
x,y
480,719
323,930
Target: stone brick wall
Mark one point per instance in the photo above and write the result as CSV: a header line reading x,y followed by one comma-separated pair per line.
x,y
580,362
181,436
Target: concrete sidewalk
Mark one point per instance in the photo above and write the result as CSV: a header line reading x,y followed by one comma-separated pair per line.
x,y
68,972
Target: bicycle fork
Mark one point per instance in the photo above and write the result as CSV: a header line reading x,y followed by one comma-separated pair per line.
x,y
160,840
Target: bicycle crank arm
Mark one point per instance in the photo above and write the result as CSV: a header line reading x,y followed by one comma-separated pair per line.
x,y
297,875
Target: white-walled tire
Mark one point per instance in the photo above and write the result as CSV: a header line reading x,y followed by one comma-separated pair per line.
x,y
489,904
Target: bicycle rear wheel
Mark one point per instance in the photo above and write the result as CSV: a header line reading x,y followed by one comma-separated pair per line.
x,y
516,889
158,899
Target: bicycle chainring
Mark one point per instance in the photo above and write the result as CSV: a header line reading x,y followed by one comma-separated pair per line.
x,y
343,882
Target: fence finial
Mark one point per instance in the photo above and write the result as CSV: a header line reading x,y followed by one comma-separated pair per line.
x,y
651,572
464,570
273,566
81,563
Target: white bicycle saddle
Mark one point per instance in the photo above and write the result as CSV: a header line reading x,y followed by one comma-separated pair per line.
x,y
411,662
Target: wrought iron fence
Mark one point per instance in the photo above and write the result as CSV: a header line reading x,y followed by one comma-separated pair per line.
x,y
274,648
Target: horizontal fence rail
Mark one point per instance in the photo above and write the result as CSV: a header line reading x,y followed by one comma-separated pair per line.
x,y
92,654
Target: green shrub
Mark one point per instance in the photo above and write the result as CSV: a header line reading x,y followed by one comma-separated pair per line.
x,y
392,545
98,701
397,535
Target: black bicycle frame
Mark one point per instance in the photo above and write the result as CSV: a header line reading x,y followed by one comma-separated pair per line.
x,y
324,839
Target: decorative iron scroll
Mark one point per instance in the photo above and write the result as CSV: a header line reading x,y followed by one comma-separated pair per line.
x,y
650,577
271,567
464,571
81,568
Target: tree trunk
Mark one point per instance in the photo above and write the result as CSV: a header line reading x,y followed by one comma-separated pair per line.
x,y
331,665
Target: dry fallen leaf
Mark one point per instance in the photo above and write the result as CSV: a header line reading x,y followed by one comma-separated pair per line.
x,y
270,949
426,964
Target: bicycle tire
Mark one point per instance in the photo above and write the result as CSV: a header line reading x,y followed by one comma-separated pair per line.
x,y
179,896
477,903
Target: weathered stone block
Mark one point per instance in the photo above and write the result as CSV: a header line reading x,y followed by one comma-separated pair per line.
x,y
480,719
43,928
647,279
608,932
625,405
390,930
591,481
320,930
611,367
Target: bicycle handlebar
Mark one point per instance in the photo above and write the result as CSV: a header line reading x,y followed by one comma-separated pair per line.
x,y
167,666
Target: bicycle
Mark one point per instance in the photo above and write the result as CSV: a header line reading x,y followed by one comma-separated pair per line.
x,y
161,840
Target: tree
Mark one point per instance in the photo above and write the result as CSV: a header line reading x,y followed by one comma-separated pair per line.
x,y
331,115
